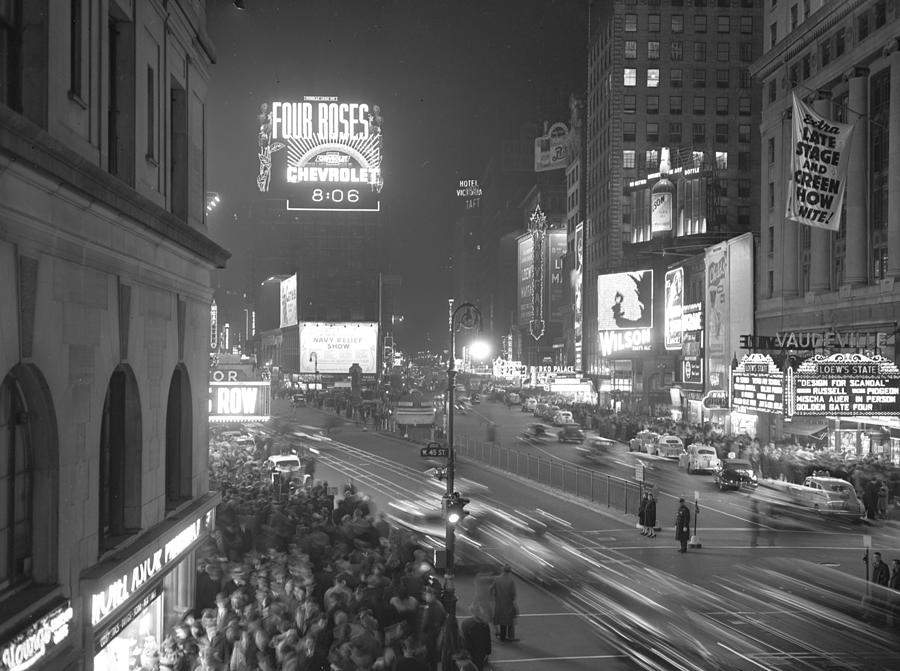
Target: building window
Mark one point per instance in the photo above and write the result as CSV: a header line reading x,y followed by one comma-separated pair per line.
x,y
698,132
631,23
771,195
17,487
862,26
743,161
700,23
794,74
630,78
746,81
628,104
700,52
770,284
773,34
746,52
677,23
675,78
628,158
880,14
743,188
805,9
825,52
628,132
76,49
744,106
722,158
151,113
746,25
10,54
744,133
674,104
677,50
652,131
675,132
840,41
630,49
743,213
722,78
652,78
773,90
652,159
722,105
793,17
652,104
723,24
770,246
723,52
653,23
721,133
178,150
699,78
179,441
653,51
699,105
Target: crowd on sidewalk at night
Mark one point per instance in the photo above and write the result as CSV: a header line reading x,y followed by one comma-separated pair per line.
x,y
305,580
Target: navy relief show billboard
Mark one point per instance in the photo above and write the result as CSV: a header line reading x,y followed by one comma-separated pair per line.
x,y
321,154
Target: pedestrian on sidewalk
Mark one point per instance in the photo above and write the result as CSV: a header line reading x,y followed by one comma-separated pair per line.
x,y
505,607
642,514
650,516
476,635
683,525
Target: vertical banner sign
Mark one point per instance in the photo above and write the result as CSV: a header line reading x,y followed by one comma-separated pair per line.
x,y
525,285
716,315
289,301
818,168
556,250
674,307
577,289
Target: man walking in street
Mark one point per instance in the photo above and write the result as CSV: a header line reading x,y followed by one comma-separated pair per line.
x,y
505,607
683,525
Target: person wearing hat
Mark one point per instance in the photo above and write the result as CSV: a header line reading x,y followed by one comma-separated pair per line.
x,y
476,636
683,525
505,607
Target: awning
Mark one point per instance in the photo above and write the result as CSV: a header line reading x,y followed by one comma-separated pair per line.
x,y
816,431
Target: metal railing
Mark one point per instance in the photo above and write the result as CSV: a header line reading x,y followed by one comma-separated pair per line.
x,y
584,483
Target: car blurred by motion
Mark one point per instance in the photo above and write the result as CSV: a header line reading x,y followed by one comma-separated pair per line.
x,y
735,474
596,448
571,433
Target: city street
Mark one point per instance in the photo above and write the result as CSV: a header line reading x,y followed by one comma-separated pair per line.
x,y
587,599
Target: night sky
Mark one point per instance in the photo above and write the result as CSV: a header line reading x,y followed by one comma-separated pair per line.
x,y
452,78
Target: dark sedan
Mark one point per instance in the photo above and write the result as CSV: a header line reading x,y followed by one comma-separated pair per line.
x,y
735,474
571,433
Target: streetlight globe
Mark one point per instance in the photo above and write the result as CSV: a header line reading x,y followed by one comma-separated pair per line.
x,y
479,350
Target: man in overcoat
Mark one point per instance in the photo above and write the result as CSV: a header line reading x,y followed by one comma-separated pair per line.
x,y
683,525
505,608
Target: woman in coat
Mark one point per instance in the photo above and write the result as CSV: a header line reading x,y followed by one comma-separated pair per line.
x,y
642,515
650,517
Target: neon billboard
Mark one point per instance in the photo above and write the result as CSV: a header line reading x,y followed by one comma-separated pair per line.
x,y
625,311
321,154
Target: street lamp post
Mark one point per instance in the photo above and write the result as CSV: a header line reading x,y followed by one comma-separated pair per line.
x,y
314,356
465,316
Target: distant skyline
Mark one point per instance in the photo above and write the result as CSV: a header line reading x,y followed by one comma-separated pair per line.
x,y
452,78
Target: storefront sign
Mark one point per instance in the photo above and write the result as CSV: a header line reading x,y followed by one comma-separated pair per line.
x,y
715,399
114,628
812,340
239,401
757,384
674,316
32,645
845,385
149,564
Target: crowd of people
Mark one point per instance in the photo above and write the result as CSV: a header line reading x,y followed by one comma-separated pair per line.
x,y
308,580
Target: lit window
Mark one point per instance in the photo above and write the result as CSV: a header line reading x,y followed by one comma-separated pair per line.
x,y
630,49
652,77
631,23
652,159
630,77
677,23
628,158
722,160
653,51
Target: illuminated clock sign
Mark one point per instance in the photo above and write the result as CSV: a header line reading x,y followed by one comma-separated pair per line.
x,y
321,154
757,384
845,385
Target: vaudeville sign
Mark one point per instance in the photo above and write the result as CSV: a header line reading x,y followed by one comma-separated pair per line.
x,y
844,385
757,384
818,168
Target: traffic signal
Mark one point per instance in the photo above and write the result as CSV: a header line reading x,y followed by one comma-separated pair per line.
x,y
456,508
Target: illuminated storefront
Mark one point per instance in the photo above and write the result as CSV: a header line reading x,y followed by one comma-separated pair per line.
x,y
131,602
39,641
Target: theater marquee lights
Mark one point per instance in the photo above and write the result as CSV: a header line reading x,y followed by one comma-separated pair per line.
x,y
321,154
845,385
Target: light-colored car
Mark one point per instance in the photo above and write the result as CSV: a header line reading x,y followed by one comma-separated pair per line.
x,y
563,417
644,441
669,446
702,458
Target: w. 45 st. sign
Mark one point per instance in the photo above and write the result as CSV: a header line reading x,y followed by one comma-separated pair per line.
x,y
434,450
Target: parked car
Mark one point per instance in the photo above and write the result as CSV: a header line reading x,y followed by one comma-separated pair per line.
x,y
571,433
669,446
549,412
735,474
563,417
644,441
702,458
298,401
596,448
539,409
529,404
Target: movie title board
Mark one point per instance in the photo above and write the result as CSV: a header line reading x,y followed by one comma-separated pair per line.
x,y
757,384
846,385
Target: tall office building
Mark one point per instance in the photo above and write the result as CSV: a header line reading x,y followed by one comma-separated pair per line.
x,y
105,293
661,76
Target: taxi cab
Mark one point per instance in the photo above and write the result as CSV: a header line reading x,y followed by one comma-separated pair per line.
x,y
702,458
669,446
644,441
